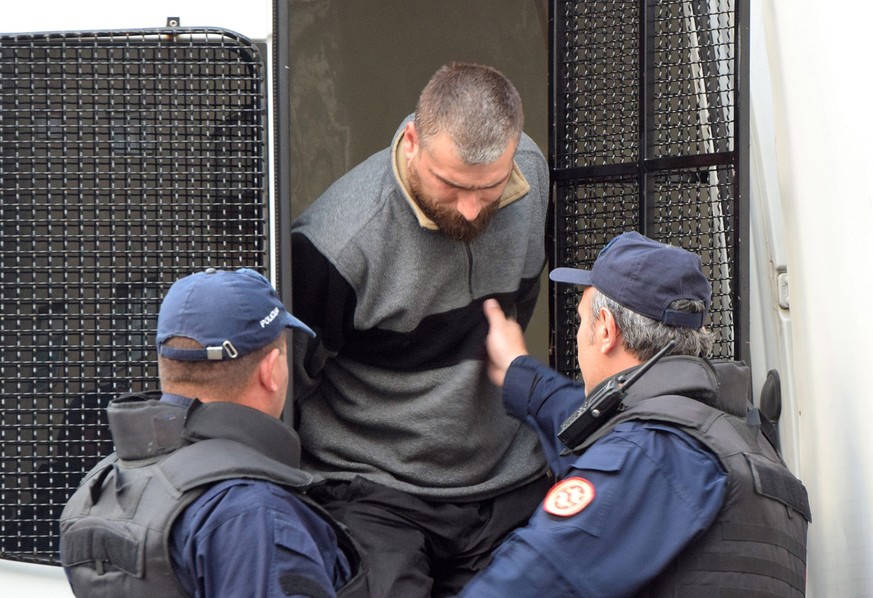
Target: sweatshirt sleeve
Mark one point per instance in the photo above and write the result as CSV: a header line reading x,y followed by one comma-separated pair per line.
x,y
325,301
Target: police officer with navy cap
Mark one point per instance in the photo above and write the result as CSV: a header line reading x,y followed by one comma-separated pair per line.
x,y
203,496
666,484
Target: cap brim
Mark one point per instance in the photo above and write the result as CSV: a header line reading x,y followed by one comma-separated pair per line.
x,y
292,322
571,276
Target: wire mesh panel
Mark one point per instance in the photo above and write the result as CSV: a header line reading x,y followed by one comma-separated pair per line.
x,y
127,160
596,81
645,125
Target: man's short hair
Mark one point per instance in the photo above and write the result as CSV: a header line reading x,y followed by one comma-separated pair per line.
x,y
476,106
220,379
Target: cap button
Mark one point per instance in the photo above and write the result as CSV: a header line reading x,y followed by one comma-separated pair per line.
x,y
211,270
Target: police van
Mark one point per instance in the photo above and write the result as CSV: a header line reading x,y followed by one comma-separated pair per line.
x,y
140,142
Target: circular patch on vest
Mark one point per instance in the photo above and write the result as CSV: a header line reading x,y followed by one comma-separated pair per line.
x,y
569,497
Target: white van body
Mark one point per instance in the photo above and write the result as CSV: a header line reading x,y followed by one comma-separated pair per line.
x,y
811,198
812,205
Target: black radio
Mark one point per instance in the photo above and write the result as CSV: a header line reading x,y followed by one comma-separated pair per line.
x,y
598,407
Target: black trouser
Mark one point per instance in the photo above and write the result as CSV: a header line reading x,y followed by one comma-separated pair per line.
x,y
424,548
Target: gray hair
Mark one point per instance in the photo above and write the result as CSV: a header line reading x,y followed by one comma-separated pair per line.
x,y
644,337
476,106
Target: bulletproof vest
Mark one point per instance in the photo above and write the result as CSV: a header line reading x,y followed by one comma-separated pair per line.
x,y
757,544
115,529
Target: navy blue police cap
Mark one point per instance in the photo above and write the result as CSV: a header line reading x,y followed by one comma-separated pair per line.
x,y
231,313
646,276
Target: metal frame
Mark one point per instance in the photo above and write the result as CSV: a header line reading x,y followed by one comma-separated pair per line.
x,y
130,158
681,66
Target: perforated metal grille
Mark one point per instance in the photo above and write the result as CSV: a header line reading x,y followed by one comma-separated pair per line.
x,y
598,85
693,78
644,138
127,160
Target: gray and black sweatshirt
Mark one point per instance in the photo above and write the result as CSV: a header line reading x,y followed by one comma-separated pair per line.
x,y
394,388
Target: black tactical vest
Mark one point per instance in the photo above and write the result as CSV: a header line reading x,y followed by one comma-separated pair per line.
x,y
756,547
115,529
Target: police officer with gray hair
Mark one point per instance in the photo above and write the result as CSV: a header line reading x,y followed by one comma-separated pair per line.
x,y
666,484
203,496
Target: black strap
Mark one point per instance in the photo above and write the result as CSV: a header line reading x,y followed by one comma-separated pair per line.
x,y
769,430
775,482
711,592
103,545
728,563
765,535
95,486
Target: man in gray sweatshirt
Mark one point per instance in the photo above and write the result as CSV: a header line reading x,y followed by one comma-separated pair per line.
x,y
391,266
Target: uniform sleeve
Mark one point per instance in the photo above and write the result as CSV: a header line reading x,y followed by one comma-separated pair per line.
x,y
543,398
647,490
251,538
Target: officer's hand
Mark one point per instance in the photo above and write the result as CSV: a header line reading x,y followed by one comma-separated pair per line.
x,y
505,341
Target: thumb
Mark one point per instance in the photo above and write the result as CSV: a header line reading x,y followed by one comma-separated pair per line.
x,y
493,311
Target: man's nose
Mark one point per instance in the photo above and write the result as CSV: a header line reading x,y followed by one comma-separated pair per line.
x,y
469,205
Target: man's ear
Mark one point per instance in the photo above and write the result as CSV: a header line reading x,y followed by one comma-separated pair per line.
x,y
409,145
267,371
609,334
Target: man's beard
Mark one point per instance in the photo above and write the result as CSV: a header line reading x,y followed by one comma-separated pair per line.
x,y
450,222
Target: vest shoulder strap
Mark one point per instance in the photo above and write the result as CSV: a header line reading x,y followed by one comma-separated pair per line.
x,y
214,460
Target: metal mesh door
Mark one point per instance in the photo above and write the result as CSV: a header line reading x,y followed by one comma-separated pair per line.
x,y
647,119
127,160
